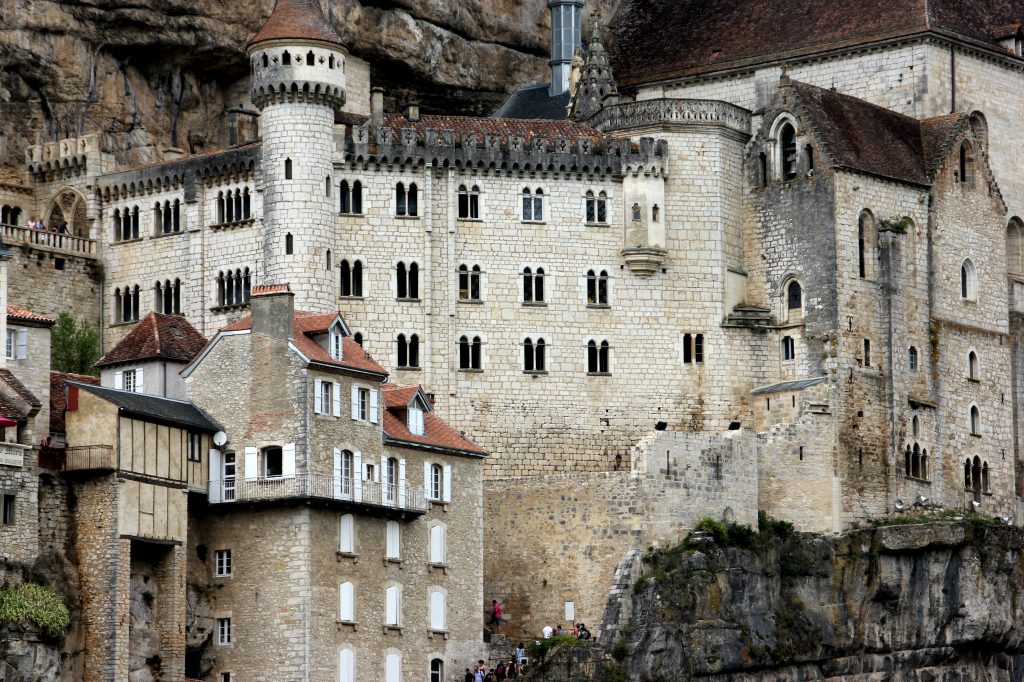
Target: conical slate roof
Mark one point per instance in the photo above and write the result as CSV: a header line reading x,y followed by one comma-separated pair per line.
x,y
296,20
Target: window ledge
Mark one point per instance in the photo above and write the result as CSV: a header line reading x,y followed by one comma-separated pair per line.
x,y
348,623
123,324
234,223
408,369
352,215
974,381
533,222
470,370
348,555
471,301
599,374
226,576
391,560
598,306
352,298
127,241
535,304
438,633
161,235
228,308
407,217
470,220
918,480
393,628
976,435
596,224
536,372
438,567
408,300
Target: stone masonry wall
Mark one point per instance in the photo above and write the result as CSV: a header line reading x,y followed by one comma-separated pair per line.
x,y
20,541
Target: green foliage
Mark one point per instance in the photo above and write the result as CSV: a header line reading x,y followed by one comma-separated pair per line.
x,y
539,649
33,603
769,526
728,534
74,346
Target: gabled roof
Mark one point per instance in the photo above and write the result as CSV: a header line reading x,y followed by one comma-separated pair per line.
x,y
16,401
15,312
437,434
306,325
19,388
59,395
296,20
153,408
662,39
535,102
157,337
502,127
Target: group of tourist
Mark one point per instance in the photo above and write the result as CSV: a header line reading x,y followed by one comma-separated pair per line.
x,y
502,670
579,631
38,224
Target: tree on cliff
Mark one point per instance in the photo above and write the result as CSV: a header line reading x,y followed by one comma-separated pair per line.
x,y
74,346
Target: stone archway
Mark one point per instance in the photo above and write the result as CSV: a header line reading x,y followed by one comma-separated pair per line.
x,y
68,205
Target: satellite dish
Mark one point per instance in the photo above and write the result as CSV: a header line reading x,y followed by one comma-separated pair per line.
x,y
220,438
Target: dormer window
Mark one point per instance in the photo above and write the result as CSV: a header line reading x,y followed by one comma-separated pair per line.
x,y
416,419
334,339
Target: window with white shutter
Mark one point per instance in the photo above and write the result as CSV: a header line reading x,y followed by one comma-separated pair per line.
x,y
416,420
393,667
252,468
347,543
347,602
437,544
11,343
288,460
393,606
318,396
447,484
438,610
394,541
22,349
346,666
373,406
336,395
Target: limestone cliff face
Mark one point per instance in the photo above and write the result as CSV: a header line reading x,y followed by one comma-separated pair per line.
x,y
153,73
922,602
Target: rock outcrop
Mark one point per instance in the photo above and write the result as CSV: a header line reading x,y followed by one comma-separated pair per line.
x,y
158,73
907,602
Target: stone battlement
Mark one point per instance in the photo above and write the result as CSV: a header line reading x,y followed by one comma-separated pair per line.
x,y
584,154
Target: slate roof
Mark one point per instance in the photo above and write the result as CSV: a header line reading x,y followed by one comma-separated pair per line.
x,y
306,324
504,127
59,396
157,337
296,20
154,408
15,312
660,39
535,102
788,386
437,434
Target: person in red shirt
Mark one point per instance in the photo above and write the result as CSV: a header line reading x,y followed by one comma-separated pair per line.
x,y
496,615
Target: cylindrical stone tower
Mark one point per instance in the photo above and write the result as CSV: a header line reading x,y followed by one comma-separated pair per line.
x,y
298,81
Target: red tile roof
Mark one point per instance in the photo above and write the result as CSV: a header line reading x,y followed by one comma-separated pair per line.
x,y
308,324
436,432
16,392
504,127
267,289
59,396
296,20
661,39
15,312
157,337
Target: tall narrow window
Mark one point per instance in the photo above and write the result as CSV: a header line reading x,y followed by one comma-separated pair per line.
x,y
408,351
463,202
438,610
693,349
357,197
328,261
597,357
788,348
533,285
345,195
809,155
347,529
246,204
327,186
972,366
347,602
915,427
533,205
597,288
968,280
787,151
591,208
975,421
912,359
867,352
286,59
393,540
289,244
287,166
437,540
794,296
762,170
533,355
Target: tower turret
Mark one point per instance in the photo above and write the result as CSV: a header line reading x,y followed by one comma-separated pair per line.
x,y
566,31
298,81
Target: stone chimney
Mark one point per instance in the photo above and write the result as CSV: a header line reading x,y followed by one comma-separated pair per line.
x,y
377,107
273,311
412,112
566,36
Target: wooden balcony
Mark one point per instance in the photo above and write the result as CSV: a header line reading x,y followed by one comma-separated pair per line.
x,y
90,458
380,496
13,455
52,241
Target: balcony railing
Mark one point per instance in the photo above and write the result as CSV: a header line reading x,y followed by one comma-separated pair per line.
x,y
12,454
15,234
317,486
89,458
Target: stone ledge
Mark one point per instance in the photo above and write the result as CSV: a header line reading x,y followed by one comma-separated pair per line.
x,y
909,537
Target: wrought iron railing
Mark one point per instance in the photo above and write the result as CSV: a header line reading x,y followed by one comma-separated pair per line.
x,y
318,486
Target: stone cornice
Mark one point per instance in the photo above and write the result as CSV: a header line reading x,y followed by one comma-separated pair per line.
x,y
670,113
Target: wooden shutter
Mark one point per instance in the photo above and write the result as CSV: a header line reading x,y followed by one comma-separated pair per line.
x,y
337,473
437,608
139,387
22,349
346,666
391,609
355,403
288,460
373,405
336,394
119,380
318,406
347,534
447,483
251,464
357,476
393,668
426,480
216,476
437,545
394,540
401,484
347,606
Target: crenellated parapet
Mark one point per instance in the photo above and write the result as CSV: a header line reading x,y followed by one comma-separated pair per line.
x,y
671,112
71,154
584,154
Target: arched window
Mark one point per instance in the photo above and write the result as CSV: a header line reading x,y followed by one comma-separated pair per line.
x,y
597,288
289,244
979,126
406,200
310,58
597,357
866,245
533,285
655,213
597,208
915,427
246,286
357,197
965,170
968,281
330,62
788,348
912,362
976,475
408,351
347,544
794,296
347,602
463,202
246,204
972,366
358,338
438,610
287,168
924,463
469,283
393,666
907,462
393,540
390,476
221,294
221,209
266,60
915,461
414,281
348,198
436,670
328,261
1015,246
787,151
469,353
533,355
176,216
117,306
437,541
286,59
403,351
402,281
327,186
346,658
975,417
238,205
135,222
984,478
533,205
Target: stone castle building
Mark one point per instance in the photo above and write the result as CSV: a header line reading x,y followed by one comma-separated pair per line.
x,y
770,261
